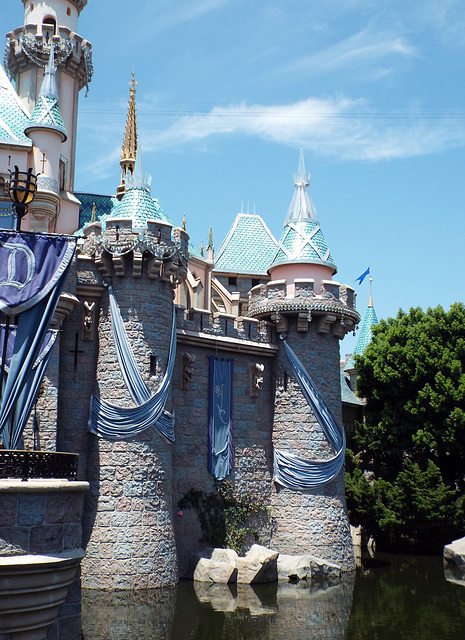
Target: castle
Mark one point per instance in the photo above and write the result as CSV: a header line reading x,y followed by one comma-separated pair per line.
x,y
195,363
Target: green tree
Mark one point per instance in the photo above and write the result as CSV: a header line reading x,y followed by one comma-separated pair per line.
x,y
412,443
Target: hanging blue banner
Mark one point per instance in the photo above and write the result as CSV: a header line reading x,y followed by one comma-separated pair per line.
x,y
30,267
47,344
220,417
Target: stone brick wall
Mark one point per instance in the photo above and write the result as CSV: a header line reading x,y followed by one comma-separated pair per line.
x,y
252,453
41,516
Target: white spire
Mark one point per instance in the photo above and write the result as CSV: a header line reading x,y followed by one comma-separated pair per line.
x,y
138,179
301,207
49,84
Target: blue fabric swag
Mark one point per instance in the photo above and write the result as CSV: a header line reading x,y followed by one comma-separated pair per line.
x,y
220,417
298,473
117,423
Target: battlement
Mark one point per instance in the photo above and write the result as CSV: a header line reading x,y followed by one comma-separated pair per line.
x,y
29,44
224,331
126,249
333,306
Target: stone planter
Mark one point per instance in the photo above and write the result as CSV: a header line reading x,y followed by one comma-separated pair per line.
x,y
40,552
32,588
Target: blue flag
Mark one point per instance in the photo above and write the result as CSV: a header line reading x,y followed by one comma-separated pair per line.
x,y
361,278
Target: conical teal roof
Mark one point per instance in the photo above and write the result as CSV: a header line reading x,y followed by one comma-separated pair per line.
x,y
365,335
137,202
138,205
302,239
47,113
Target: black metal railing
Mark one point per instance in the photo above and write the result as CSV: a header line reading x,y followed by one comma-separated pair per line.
x,y
38,464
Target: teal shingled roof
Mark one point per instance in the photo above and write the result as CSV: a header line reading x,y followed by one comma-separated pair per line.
x,y
365,335
47,115
248,247
303,241
103,207
138,204
13,116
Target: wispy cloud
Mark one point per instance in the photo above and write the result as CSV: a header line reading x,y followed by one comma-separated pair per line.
x,y
364,48
341,127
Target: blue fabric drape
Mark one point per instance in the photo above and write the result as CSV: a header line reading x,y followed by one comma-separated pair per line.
x,y
220,417
118,423
298,473
52,255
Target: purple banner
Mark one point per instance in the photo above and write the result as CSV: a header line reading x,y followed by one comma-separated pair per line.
x,y
30,266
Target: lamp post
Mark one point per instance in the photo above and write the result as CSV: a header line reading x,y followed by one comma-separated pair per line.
x,y
21,189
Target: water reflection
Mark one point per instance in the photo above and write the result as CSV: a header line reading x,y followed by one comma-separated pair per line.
x,y
401,597
205,612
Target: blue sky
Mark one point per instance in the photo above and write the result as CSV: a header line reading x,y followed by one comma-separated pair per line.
x,y
228,90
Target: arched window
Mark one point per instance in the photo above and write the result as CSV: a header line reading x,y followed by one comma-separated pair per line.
x,y
49,27
68,11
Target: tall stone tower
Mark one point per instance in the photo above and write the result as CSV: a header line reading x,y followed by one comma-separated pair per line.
x,y
49,34
140,258
312,313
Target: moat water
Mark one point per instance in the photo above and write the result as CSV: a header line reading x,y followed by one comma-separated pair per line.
x,y
388,598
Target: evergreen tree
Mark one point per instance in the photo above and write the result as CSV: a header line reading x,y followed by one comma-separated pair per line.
x,y
412,443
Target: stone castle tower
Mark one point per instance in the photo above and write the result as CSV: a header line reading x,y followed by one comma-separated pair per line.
x,y
312,312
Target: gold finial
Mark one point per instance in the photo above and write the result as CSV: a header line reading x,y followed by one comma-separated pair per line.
x,y
210,239
93,217
201,248
183,221
370,302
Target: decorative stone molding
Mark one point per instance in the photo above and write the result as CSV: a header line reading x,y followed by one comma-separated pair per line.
x,y
65,305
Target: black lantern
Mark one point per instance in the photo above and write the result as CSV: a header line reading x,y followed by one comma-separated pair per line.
x,y
21,189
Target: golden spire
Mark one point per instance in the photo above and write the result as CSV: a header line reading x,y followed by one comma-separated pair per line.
x,y
201,248
210,239
93,217
183,221
129,148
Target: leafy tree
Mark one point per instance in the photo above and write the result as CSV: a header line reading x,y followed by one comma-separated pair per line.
x,y
412,443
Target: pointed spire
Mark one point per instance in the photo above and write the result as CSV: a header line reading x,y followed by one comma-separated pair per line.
x,y
93,217
201,248
137,177
301,207
183,221
369,321
49,84
47,112
210,239
302,239
129,147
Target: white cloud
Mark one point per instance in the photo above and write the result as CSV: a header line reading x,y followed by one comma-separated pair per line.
x,y
337,127
363,48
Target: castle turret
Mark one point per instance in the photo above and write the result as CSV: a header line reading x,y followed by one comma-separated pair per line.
x,y
140,259
47,131
311,313
52,25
